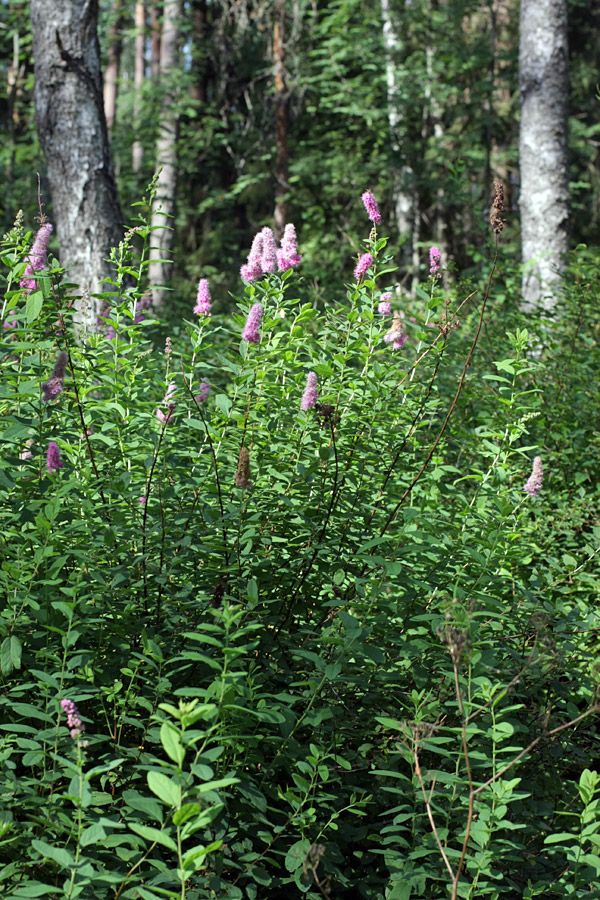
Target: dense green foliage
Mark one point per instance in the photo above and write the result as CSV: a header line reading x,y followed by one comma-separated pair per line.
x,y
365,668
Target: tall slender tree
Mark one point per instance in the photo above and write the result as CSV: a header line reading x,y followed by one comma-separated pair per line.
x,y
163,207
72,129
544,200
137,150
281,117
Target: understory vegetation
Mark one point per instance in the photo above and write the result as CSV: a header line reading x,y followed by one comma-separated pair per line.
x,y
279,616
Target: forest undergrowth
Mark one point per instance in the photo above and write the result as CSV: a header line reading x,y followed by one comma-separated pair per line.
x,y
301,600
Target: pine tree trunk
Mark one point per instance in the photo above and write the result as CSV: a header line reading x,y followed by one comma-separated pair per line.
x,y
163,207
281,117
154,41
544,200
111,75
72,130
137,150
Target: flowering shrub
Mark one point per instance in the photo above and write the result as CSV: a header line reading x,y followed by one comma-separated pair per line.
x,y
283,583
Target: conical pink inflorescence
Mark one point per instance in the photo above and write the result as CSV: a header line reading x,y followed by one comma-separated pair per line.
x,y
251,331
534,483
202,307
288,257
370,204
364,263
37,258
310,395
53,459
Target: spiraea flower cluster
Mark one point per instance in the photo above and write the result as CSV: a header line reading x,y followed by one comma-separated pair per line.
x,y
310,395
370,204
251,332
264,257
202,307
396,336
74,723
168,403
435,259
53,387
534,483
53,460
37,258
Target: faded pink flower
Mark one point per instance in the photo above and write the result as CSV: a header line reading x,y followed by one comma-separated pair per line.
x,y
53,387
168,402
53,459
204,389
370,204
364,263
36,259
534,483
310,395
435,259
26,453
142,500
251,329
202,307
288,257
395,335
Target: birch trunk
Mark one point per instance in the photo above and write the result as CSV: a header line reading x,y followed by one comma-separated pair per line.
x,y
544,200
137,150
72,130
163,207
405,194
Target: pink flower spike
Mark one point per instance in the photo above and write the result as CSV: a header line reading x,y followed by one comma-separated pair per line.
x,y
204,391
370,204
385,306
202,307
36,259
534,483
251,329
310,395
288,257
269,253
253,267
142,500
435,259
364,263
74,723
53,459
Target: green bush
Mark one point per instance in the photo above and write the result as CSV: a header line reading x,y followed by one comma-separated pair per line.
x,y
337,651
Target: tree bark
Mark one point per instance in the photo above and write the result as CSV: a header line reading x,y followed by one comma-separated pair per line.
x,y
137,150
163,207
281,119
72,129
544,199
111,76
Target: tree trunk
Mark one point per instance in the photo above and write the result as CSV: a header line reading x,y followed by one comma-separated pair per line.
x,y
544,200
154,41
73,134
281,123
404,186
137,150
163,207
111,76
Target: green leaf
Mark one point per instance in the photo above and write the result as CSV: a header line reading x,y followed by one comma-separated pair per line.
x,y
34,304
170,738
186,812
58,854
296,855
33,889
559,838
153,834
92,835
164,788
